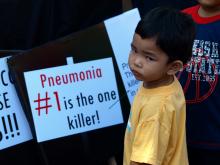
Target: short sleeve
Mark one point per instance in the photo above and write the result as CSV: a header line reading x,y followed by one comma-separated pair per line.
x,y
151,139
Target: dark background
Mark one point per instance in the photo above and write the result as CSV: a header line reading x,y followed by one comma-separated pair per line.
x,y
27,24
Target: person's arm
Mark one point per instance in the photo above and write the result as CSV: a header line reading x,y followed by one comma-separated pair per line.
x,y
156,133
135,163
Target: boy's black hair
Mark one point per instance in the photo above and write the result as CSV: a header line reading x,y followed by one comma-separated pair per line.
x,y
174,32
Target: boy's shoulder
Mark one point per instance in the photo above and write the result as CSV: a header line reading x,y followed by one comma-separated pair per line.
x,y
168,97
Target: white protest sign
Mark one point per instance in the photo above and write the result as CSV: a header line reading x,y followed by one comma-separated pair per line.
x,y
74,98
14,128
120,30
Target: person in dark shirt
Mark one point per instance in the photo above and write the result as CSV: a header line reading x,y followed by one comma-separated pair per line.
x,y
200,81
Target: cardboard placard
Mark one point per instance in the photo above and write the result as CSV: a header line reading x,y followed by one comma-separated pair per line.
x,y
117,28
14,128
72,99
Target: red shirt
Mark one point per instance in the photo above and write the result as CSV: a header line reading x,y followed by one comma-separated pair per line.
x,y
193,11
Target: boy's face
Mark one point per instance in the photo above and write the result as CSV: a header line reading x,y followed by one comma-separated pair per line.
x,y
147,61
209,3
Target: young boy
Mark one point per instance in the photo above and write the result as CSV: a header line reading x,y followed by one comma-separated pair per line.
x,y
202,86
155,133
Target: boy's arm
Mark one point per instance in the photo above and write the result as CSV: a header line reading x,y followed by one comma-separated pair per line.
x,y
136,163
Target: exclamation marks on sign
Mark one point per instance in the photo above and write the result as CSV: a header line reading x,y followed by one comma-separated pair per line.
x,y
16,124
10,127
4,125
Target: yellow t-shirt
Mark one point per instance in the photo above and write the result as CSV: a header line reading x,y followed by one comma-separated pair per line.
x,y
155,131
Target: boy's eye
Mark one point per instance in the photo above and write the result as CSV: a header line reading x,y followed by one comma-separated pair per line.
x,y
149,58
133,51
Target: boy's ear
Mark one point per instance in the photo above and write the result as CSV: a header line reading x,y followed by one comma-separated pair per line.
x,y
175,67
